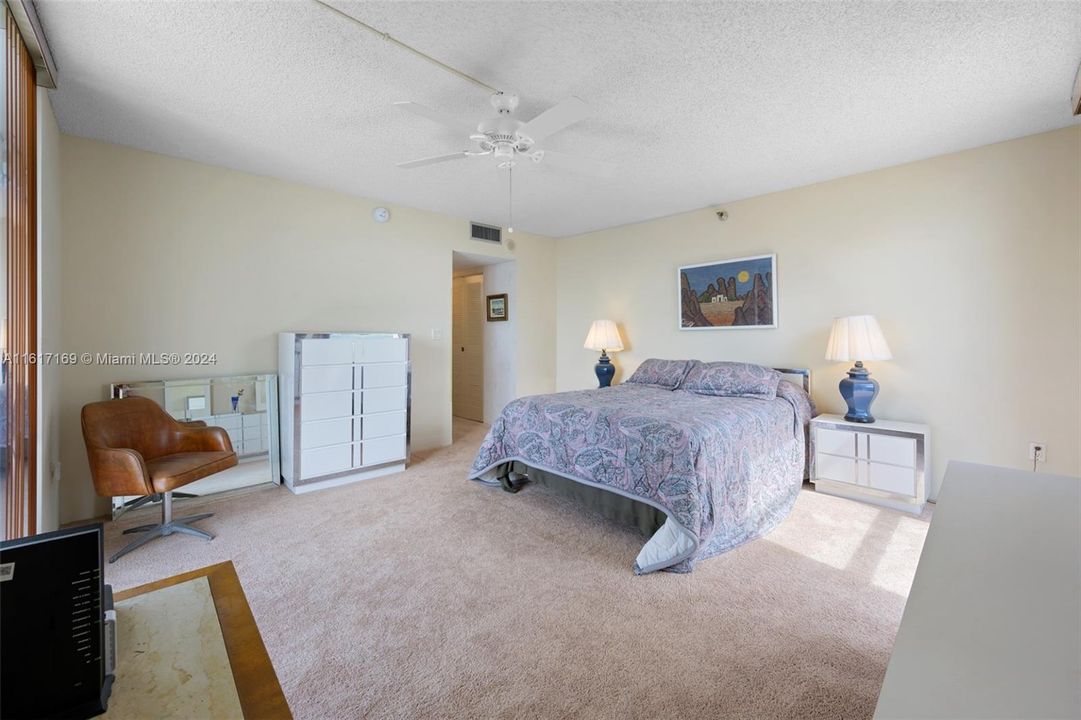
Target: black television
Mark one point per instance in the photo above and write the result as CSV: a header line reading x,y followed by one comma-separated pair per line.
x,y
52,654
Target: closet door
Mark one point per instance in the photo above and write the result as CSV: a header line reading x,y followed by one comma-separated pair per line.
x,y
467,363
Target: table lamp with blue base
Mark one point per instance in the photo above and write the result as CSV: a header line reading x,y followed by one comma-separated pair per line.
x,y
859,338
604,336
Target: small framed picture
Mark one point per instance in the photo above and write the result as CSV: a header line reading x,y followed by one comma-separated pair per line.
x,y
497,307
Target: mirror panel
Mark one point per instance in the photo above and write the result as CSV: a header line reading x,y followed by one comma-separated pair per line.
x,y
245,406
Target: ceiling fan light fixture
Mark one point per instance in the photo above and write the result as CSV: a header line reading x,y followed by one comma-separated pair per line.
x,y
500,125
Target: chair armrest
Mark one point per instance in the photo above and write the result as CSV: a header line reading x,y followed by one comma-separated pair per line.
x,y
201,439
192,423
118,471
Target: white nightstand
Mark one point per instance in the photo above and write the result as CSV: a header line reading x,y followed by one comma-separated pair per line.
x,y
884,462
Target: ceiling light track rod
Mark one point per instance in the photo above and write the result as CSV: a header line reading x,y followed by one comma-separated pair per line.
x,y
390,38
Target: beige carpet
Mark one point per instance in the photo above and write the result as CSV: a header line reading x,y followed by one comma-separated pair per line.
x,y
425,595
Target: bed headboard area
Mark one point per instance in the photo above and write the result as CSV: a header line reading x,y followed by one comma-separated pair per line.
x,y
797,376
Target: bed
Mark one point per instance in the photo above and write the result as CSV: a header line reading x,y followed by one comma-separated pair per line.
x,y
703,457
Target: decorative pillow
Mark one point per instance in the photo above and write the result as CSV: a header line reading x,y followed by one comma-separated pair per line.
x,y
732,379
667,374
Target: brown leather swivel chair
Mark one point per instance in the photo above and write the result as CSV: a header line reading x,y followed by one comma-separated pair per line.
x,y
136,448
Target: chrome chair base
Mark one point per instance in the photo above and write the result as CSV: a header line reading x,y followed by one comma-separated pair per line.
x,y
140,501
167,526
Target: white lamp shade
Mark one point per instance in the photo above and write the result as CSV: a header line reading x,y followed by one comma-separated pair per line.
x,y
857,337
604,335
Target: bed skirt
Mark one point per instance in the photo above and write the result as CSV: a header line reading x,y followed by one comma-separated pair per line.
x,y
618,508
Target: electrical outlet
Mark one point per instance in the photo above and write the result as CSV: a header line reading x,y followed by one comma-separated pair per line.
x,y
1037,452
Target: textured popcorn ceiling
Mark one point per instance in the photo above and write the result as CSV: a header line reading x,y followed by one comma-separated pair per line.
x,y
700,104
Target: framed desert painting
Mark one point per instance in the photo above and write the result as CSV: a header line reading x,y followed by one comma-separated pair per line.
x,y
732,294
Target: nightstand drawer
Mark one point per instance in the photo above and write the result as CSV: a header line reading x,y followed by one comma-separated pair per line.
x,y
838,469
835,442
894,450
892,479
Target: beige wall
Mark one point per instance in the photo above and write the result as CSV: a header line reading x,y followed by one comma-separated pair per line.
x,y
500,340
971,261
50,294
166,255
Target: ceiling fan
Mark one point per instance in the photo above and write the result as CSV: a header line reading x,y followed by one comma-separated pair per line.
x,y
501,136
510,140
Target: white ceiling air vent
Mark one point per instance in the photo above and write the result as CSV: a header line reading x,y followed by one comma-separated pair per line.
x,y
486,233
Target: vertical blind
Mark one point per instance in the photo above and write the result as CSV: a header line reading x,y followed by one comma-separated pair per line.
x,y
20,321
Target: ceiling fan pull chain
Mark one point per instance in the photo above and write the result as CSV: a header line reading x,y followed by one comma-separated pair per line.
x,y
510,199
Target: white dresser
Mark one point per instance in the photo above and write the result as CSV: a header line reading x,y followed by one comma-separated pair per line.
x,y
344,407
247,431
884,462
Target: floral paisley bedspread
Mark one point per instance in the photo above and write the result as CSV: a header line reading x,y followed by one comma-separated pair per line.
x,y
725,470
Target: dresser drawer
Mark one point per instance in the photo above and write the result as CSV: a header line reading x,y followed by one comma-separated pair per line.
x,y
229,422
330,351
383,424
254,445
324,378
381,450
381,375
835,442
382,349
382,400
324,461
321,406
326,432
838,469
236,438
889,449
892,479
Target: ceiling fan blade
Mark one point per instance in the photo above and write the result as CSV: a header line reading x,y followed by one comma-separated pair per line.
x,y
589,166
459,126
555,119
433,160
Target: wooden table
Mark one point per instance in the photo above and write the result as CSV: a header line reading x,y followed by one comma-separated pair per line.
x,y
257,685
992,627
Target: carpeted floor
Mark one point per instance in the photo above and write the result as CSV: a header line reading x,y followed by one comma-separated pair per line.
x,y
425,595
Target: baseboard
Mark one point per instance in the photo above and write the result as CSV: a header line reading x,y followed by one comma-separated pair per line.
x,y
347,479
